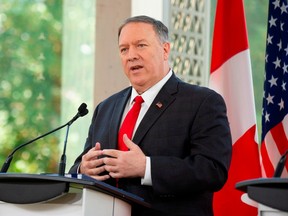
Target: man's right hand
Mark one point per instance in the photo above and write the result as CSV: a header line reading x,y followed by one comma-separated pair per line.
x,y
92,164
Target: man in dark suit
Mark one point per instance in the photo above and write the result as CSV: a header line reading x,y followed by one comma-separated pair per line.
x,y
180,150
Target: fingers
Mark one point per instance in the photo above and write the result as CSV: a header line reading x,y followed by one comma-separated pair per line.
x,y
97,146
101,178
88,166
111,153
116,153
93,153
113,162
119,164
128,142
92,164
96,173
122,164
114,171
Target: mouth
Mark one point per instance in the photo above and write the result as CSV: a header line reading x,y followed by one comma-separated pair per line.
x,y
136,68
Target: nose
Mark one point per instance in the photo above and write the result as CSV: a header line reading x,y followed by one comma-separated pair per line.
x,y
132,54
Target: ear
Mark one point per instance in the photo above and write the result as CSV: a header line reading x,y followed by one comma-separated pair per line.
x,y
166,49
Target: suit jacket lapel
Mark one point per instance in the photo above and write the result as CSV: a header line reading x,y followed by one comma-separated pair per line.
x,y
116,117
162,101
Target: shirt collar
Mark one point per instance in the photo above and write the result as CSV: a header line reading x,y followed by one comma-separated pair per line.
x,y
149,95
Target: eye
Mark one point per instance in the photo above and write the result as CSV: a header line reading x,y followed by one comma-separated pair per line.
x,y
123,50
142,45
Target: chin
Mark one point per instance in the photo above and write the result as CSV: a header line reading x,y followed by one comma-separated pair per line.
x,y
139,86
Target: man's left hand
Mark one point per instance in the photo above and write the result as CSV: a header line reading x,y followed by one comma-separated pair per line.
x,y
125,164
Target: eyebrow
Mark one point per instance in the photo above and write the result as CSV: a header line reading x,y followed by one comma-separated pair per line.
x,y
137,42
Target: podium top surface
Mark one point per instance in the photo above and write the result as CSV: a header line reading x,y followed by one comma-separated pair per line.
x,y
41,187
272,192
263,182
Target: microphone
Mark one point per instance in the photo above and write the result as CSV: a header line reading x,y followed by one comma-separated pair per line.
x,y
280,165
82,111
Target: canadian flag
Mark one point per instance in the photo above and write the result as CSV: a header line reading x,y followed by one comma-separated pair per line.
x,y
231,77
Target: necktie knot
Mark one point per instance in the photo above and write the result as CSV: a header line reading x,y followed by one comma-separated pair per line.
x,y
138,99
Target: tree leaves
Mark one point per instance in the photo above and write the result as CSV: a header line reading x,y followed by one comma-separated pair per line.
x,y
30,78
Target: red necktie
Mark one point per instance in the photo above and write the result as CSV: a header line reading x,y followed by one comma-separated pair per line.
x,y
129,122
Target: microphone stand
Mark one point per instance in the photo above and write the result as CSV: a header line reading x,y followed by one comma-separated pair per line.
x,y
62,164
10,157
82,111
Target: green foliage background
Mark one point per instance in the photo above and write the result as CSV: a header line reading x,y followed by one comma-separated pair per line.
x,y
30,69
256,18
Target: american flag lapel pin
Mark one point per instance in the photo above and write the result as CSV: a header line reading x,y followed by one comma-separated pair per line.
x,y
159,104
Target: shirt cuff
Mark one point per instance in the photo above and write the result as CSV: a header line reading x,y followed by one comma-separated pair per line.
x,y
78,169
147,180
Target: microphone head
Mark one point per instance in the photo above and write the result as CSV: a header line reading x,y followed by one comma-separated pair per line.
x,y
85,112
82,110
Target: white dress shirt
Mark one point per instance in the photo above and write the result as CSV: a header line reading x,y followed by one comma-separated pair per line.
x,y
148,97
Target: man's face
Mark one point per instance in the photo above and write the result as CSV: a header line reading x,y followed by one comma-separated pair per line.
x,y
144,58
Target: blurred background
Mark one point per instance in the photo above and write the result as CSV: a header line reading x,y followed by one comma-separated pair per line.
x,y
56,54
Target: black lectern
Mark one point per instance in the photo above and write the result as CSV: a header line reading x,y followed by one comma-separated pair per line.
x,y
272,192
62,195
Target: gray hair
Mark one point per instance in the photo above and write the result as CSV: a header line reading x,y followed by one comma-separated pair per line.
x,y
160,29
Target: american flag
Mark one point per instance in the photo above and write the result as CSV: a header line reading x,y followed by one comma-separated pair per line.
x,y
274,141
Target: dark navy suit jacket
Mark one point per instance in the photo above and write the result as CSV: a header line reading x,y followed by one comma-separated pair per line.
x,y
188,139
